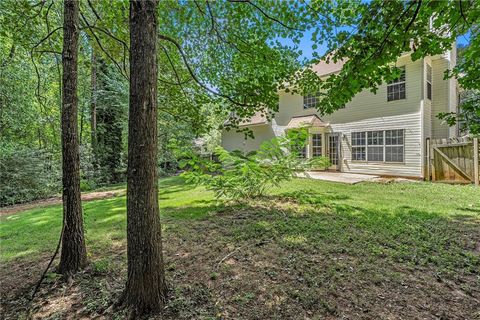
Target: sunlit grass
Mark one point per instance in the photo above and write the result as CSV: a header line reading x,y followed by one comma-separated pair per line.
x,y
377,211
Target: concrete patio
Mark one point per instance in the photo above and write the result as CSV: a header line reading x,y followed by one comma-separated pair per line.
x,y
343,177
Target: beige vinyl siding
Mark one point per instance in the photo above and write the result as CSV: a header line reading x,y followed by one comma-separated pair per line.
x,y
364,105
410,123
440,98
368,111
232,140
426,113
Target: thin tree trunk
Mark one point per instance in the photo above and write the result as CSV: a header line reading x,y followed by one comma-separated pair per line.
x,y
73,256
82,119
93,108
145,289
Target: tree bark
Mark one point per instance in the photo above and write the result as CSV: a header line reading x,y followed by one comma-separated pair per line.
x,y
74,255
146,289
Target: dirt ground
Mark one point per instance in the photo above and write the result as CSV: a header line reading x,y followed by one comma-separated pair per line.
x,y
214,272
58,200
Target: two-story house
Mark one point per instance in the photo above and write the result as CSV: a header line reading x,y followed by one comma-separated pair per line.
x,y
383,133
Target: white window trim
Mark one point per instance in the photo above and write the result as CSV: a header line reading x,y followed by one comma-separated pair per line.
x,y
384,148
403,68
315,99
317,147
427,82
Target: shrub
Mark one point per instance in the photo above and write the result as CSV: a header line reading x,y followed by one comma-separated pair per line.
x,y
27,174
238,176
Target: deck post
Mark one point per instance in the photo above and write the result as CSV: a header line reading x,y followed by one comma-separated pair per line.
x,y
475,161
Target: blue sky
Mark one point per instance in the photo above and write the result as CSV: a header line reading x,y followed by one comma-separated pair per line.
x,y
306,44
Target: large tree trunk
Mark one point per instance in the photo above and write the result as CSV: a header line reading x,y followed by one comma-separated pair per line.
x,y
74,255
145,289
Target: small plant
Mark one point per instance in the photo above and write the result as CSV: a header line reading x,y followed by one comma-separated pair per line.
x,y
237,176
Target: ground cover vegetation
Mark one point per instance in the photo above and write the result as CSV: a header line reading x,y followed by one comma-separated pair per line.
x,y
307,249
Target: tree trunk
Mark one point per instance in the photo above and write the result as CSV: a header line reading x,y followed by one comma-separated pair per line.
x,y
73,256
93,108
145,289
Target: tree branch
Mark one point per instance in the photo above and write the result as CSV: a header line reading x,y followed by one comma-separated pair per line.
x,y
412,20
123,71
192,74
175,72
46,37
266,14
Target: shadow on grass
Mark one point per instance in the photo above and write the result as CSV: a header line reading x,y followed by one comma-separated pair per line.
x,y
476,210
300,240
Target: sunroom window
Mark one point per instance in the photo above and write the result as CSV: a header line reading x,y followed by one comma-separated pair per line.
x,y
358,146
375,146
378,146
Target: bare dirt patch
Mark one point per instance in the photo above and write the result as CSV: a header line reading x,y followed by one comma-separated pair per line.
x,y
58,200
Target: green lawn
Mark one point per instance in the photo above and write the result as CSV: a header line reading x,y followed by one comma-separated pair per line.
x,y
311,249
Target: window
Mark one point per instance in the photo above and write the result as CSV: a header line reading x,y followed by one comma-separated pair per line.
x,y
429,82
394,146
358,146
375,146
396,88
378,146
311,101
316,145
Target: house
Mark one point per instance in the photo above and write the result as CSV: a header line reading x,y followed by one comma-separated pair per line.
x,y
383,133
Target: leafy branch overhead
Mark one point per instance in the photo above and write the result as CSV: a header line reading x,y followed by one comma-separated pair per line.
x,y
370,39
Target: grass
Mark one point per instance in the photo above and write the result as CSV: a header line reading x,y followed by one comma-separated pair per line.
x,y
309,249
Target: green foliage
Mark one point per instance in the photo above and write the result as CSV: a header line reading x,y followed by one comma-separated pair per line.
x,y
27,174
238,176
112,105
468,117
369,36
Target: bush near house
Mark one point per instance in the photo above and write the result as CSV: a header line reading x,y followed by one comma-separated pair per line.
x,y
239,176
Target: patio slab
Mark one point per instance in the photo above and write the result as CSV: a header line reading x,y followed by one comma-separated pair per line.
x,y
343,177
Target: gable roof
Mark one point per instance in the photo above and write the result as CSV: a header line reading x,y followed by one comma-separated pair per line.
x,y
306,121
257,119
323,68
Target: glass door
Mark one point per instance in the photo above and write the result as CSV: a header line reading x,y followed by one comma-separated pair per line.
x,y
333,150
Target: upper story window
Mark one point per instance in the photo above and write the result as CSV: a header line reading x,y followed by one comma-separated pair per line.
x,y
429,82
396,87
311,101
